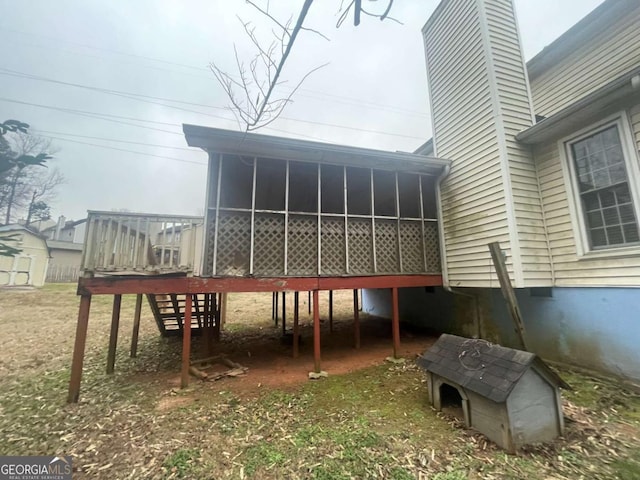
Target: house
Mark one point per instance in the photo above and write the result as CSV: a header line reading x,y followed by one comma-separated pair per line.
x,y
511,396
28,267
544,161
281,215
65,240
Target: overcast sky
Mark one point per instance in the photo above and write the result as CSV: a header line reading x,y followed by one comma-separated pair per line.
x,y
373,93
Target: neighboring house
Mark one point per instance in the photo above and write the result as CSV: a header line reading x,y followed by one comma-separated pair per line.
x,y
545,161
64,265
29,267
65,240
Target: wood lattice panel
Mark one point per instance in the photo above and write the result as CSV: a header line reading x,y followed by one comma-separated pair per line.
x,y
387,246
269,245
360,246
333,257
302,246
412,246
234,244
431,244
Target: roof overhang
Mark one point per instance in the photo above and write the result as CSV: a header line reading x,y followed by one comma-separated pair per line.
x,y
217,140
609,99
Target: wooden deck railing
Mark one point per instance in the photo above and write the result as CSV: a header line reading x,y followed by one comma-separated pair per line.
x,y
136,242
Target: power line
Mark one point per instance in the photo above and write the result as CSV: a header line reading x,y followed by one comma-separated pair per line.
x,y
114,140
315,94
112,118
125,150
133,96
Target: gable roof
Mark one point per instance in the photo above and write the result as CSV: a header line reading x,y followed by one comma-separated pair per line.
x,y
487,369
13,227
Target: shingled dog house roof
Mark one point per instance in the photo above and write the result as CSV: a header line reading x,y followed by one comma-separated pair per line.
x,y
487,369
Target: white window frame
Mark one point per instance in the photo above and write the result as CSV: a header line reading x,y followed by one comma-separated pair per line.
x,y
632,163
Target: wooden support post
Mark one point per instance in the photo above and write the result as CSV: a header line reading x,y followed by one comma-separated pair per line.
x,y
507,290
395,323
316,333
223,310
78,349
186,342
356,320
113,336
136,326
296,340
215,309
284,313
275,308
331,311
309,303
208,325
273,305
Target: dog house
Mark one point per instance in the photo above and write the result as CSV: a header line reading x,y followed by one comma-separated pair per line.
x,y
509,395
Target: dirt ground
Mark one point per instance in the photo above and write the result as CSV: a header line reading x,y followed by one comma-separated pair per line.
x,y
369,419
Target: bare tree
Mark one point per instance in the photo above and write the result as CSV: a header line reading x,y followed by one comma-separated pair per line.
x,y
24,177
252,93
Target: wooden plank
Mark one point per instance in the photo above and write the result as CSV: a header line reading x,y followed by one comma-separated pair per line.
x,y
507,290
395,322
78,349
168,284
331,311
296,315
136,326
113,336
316,333
356,320
186,342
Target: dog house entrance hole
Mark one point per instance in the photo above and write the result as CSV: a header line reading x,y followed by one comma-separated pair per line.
x,y
451,401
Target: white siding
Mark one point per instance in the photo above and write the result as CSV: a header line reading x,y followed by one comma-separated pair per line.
x,y
570,269
479,102
610,53
513,94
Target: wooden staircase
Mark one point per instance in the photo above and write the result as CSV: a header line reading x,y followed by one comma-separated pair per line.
x,y
168,311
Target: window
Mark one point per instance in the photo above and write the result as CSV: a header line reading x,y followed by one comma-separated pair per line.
x,y
602,180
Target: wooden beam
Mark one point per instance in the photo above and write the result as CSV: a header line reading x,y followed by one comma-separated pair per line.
x,y
507,290
356,320
331,311
223,310
113,336
316,333
296,317
186,342
78,349
395,322
284,313
216,317
275,307
167,285
208,324
136,326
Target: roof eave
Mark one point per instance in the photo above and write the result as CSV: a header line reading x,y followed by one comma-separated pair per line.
x,y
605,101
230,142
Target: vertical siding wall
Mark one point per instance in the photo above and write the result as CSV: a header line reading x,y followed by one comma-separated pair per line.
x,y
479,101
612,52
570,270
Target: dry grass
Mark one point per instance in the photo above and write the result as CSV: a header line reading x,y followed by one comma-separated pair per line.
x,y
371,421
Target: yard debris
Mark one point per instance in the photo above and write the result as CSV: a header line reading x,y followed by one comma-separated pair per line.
x,y
235,369
395,360
318,375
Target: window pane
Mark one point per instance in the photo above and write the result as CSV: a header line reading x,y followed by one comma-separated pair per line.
x,y
611,216
591,202
610,136
626,214
601,178
622,193
618,173
614,155
595,219
631,233
607,198
598,160
598,237
614,235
